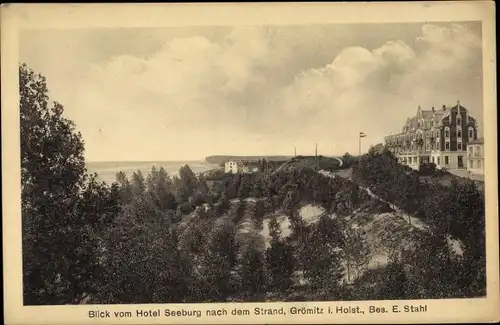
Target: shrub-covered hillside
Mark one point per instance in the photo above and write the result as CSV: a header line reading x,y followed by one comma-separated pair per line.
x,y
454,207
296,234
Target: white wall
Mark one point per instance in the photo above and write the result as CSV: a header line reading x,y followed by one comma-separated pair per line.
x,y
231,167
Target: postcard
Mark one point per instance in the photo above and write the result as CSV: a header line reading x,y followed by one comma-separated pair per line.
x,y
270,163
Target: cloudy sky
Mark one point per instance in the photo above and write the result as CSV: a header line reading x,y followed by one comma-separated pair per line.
x,y
185,93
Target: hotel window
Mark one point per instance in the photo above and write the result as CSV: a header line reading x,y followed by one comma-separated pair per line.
x,y
447,145
439,160
471,163
471,133
459,131
447,132
428,146
459,146
446,160
479,164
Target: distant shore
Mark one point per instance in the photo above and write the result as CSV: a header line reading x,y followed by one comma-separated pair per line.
x,y
218,159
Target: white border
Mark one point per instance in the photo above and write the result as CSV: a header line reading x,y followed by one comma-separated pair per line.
x,y
17,16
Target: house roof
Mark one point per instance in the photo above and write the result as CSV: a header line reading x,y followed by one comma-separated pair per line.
x,y
477,141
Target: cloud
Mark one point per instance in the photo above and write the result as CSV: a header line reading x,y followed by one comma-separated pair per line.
x,y
260,90
374,91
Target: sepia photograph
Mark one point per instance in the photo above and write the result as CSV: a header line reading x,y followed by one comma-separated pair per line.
x,y
253,163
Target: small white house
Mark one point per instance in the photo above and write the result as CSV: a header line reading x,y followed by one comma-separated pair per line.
x,y
231,167
236,167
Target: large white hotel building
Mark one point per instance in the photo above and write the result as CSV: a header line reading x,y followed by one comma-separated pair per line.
x,y
435,135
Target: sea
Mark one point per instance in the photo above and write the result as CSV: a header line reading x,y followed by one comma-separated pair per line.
x,y
107,170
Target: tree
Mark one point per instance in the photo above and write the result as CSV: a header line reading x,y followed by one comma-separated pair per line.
x,y
394,284
435,268
60,243
99,204
138,183
222,205
166,198
280,261
259,189
143,263
321,259
258,215
251,273
125,187
274,229
187,182
291,203
245,188
152,181
237,212
356,251
217,263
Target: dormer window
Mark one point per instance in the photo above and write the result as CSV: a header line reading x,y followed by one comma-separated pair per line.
x,y
471,133
459,120
459,132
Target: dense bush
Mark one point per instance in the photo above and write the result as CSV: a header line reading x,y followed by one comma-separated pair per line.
x,y
456,210
427,169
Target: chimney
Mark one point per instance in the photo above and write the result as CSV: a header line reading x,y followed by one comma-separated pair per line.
x,y
444,107
433,108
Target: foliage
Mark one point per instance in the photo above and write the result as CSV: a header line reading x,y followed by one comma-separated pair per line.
x,y
252,274
456,210
280,260
217,263
63,210
427,169
320,259
156,238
